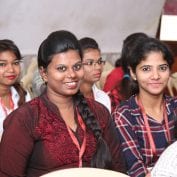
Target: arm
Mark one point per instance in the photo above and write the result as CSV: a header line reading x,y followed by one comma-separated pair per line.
x,y
130,144
113,141
16,145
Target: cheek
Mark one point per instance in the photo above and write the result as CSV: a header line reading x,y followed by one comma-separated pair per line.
x,y
86,70
18,70
80,74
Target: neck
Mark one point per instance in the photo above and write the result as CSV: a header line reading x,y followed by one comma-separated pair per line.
x,y
62,102
153,106
151,101
65,107
86,89
4,91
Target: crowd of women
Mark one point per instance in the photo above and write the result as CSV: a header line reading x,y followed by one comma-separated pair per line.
x,y
125,127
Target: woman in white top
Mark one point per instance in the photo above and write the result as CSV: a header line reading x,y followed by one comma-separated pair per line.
x,y
12,94
93,68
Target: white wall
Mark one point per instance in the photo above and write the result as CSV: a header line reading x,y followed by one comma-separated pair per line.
x,y
28,22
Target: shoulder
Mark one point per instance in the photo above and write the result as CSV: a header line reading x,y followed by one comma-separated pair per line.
x,y
99,93
101,97
127,110
101,113
116,72
96,106
23,114
171,102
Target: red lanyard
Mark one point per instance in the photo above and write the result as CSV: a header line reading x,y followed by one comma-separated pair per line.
x,y
10,102
168,136
75,141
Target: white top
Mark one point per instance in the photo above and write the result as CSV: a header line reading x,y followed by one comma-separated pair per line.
x,y
101,97
15,98
166,165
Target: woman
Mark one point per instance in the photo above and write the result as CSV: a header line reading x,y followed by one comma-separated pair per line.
x,y
146,122
93,68
12,94
59,129
117,81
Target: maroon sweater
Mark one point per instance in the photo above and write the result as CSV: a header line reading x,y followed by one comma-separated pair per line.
x,y
36,140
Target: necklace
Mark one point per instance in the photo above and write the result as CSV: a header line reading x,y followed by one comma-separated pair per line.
x,y
151,140
11,104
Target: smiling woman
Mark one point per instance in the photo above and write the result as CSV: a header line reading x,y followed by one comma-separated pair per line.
x,y
12,94
148,115
60,128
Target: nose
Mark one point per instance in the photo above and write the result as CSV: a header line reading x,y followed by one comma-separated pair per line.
x,y
10,68
155,74
71,73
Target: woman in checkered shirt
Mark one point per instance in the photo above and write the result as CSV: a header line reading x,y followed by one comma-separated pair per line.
x,y
146,121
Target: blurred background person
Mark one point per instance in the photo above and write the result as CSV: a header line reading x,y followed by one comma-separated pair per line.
x,y
117,82
93,65
12,94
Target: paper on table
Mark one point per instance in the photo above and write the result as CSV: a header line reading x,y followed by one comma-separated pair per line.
x,y
166,166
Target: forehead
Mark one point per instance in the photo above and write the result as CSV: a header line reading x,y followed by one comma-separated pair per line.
x,y
91,53
153,59
69,57
7,56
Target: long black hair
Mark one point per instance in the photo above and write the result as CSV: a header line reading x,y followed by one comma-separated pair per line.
x,y
62,41
141,51
129,44
9,45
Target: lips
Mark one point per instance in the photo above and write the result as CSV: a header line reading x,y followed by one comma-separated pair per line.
x,y
12,77
72,85
155,84
97,75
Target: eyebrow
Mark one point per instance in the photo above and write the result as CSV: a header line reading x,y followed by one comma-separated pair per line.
x,y
6,60
93,59
165,64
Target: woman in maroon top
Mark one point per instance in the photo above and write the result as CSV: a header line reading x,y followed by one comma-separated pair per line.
x,y
60,128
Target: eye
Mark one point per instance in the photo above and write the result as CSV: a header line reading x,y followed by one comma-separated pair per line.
x,y
77,67
90,63
101,62
61,68
17,62
146,68
163,67
3,64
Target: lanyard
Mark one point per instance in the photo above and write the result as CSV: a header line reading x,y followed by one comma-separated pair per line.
x,y
168,136
75,141
10,103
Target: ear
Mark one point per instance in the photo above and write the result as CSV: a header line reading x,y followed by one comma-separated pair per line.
x,y
132,74
43,73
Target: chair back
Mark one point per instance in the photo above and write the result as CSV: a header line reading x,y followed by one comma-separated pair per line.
x,y
84,172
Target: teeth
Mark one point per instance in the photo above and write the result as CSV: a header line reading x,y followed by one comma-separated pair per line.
x,y
71,83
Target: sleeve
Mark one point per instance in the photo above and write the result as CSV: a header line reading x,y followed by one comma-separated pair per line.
x,y
113,141
130,145
16,145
